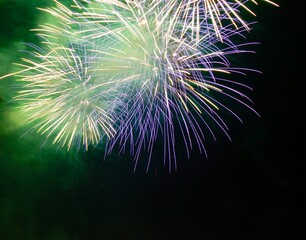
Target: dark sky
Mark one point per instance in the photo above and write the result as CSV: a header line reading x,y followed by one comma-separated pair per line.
x,y
250,188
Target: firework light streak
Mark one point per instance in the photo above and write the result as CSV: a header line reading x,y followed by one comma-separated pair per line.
x,y
133,72
217,12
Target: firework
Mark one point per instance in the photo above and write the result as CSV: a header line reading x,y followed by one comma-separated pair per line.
x,y
61,93
135,72
172,75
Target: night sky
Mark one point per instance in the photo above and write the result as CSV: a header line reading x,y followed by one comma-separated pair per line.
x,y
247,188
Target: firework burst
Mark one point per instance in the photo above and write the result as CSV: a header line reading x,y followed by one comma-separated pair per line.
x,y
172,75
135,72
61,93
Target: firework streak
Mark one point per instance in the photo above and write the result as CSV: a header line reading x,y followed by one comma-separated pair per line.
x,y
130,73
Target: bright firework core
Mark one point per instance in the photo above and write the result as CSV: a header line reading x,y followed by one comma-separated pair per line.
x,y
132,72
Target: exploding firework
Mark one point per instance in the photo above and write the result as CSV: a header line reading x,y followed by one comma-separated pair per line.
x,y
172,75
135,72
62,95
